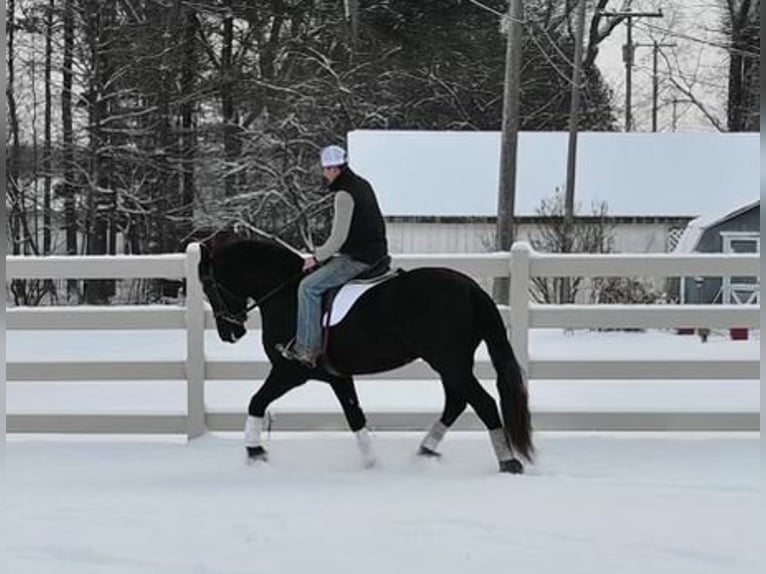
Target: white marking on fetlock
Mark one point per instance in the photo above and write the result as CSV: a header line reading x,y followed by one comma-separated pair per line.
x,y
500,444
435,435
253,428
364,441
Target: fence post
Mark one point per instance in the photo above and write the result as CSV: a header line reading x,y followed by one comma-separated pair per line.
x,y
520,258
195,345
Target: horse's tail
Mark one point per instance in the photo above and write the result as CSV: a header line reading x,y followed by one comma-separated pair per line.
x,y
514,402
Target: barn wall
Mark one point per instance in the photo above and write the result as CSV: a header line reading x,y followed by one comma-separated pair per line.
x,y
709,290
479,237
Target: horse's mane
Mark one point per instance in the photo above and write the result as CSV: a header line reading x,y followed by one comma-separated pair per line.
x,y
241,251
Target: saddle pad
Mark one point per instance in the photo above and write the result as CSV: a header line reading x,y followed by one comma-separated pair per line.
x,y
344,300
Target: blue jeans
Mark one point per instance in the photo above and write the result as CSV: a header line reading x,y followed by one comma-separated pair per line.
x,y
338,270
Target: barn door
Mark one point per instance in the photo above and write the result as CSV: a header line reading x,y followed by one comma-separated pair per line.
x,y
741,290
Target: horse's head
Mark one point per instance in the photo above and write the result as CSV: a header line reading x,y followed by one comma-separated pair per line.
x,y
225,294
234,272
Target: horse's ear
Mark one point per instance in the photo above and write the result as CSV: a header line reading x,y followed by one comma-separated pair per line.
x,y
204,251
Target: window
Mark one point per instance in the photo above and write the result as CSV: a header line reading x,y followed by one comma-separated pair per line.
x,y
741,290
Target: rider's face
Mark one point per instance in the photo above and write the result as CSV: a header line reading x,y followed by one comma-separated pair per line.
x,y
330,173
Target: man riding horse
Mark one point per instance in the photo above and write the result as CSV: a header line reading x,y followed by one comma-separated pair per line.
x,y
356,244
433,314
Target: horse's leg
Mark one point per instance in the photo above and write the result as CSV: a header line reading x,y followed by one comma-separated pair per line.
x,y
276,384
344,389
486,409
454,405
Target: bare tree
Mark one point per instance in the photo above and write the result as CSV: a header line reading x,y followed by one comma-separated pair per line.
x,y
742,25
67,135
164,119
714,71
589,234
14,199
188,128
48,119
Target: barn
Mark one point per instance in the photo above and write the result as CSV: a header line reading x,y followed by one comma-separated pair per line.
x,y
736,231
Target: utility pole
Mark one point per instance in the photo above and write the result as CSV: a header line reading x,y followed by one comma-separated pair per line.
x,y
574,117
504,234
627,54
655,46
351,8
574,122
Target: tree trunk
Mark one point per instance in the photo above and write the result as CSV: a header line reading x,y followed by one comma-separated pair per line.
x,y
352,15
188,130
67,135
97,292
13,168
743,109
230,143
47,239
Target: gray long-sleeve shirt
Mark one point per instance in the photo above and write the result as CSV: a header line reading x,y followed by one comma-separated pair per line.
x,y
341,224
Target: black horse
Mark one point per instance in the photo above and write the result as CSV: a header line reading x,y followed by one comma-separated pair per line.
x,y
435,314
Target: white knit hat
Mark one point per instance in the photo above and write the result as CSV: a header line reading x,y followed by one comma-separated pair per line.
x,y
333,155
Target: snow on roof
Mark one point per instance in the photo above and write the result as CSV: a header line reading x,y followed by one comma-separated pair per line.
x,y
456,173
695,228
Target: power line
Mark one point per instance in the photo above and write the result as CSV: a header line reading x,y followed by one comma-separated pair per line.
x,y
505,17
488,9
553,42
722,46
547,56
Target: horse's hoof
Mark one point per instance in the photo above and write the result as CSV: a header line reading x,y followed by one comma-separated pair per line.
x,y
256,454
426,452
513,466
369,463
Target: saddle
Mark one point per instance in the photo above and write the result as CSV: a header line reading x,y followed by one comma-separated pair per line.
x,y
337,302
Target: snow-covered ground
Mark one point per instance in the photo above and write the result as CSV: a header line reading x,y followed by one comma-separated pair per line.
x,y
615,503
592,504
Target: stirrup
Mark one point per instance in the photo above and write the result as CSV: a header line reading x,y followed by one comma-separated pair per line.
x,y
288,352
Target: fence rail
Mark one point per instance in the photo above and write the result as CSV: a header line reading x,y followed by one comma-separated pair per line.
x,y
522,263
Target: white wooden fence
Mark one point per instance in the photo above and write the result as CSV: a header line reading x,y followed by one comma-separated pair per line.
x,y
522,263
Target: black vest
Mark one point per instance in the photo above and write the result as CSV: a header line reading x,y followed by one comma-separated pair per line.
x,y
366,239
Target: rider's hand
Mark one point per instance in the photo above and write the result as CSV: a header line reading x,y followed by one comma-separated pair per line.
x,y
309,263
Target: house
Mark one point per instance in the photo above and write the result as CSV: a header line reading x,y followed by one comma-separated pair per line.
x,y
735,231
439,190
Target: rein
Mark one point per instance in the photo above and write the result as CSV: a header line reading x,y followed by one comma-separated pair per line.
x,y
270,294
241,318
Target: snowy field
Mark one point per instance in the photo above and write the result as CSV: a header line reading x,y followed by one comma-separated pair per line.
x,y
612,504
619,503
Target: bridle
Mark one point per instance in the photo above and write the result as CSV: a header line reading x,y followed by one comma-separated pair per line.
x,y
221,309
213,289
